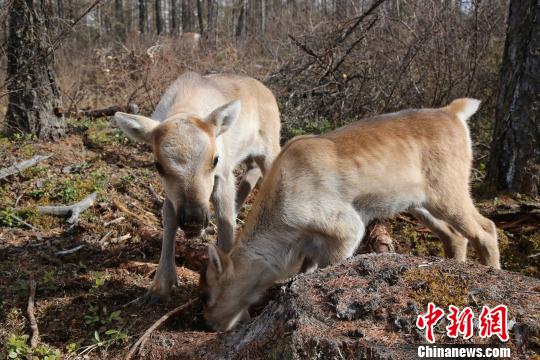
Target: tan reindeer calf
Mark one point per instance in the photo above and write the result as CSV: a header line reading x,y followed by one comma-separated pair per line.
x,y
202,128
322,191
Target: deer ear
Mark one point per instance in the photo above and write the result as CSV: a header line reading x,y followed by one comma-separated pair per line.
x,y
136,127
214,259
224,116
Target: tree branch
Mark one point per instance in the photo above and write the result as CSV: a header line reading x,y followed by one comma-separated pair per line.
x,y
17,168
74,210
142,340
31,315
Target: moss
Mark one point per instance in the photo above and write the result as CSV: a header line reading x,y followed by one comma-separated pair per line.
x,y
101,133
41,221
26,151
409,240
6,144
124,183
306,126
435,286
34,171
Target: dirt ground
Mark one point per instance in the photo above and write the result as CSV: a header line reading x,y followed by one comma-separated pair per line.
x,y
86,301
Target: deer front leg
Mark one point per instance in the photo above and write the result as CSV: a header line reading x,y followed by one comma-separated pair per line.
x,y
249,181
223,199
165,276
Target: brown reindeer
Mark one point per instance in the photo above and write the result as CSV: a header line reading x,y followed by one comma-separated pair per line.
x,y
202,128
322,191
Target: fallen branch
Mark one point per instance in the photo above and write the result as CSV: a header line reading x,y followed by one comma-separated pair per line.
x,y
115,221
157,201
120,238
142,340
17,168
120,206
74,210
31,315
70,251
108,111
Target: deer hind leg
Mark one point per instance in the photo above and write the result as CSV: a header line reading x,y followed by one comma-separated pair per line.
x,y
248,182
338,235
455,245
481,232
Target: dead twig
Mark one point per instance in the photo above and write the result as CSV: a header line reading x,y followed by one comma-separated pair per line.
x,y
156,199
115,221
105,237
74,210
357,21
17,168
31,315
142,340
24,222
70,251
120,206
104,112
120,238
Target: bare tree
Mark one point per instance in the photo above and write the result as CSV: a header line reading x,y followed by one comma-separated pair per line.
x,y
240,25
174,20
60,8
119,25
263,16
34,97
515,151
159,19
187,16
211,33
143,16
200,16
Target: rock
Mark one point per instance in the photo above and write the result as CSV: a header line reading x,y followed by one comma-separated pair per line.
x,y
367,308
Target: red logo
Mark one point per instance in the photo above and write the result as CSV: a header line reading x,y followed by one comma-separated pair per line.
x,y
494,322
460,322
490,322
429,320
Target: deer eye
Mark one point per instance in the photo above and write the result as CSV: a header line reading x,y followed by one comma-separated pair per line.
x,y
216,160
159,168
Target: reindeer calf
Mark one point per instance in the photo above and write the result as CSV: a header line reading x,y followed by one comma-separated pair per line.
x,y
322,191
202,128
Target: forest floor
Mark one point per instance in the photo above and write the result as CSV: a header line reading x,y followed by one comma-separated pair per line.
x,y
85,300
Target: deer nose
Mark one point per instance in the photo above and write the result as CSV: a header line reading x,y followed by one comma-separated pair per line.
x,y
193,217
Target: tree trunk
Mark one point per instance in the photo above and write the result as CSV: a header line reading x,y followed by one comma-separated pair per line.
x,y
241,20
187,16
515,151
143,16
174,19
34,97
263,17
60,9
159,20
119,24
212,8
200,17
128,17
